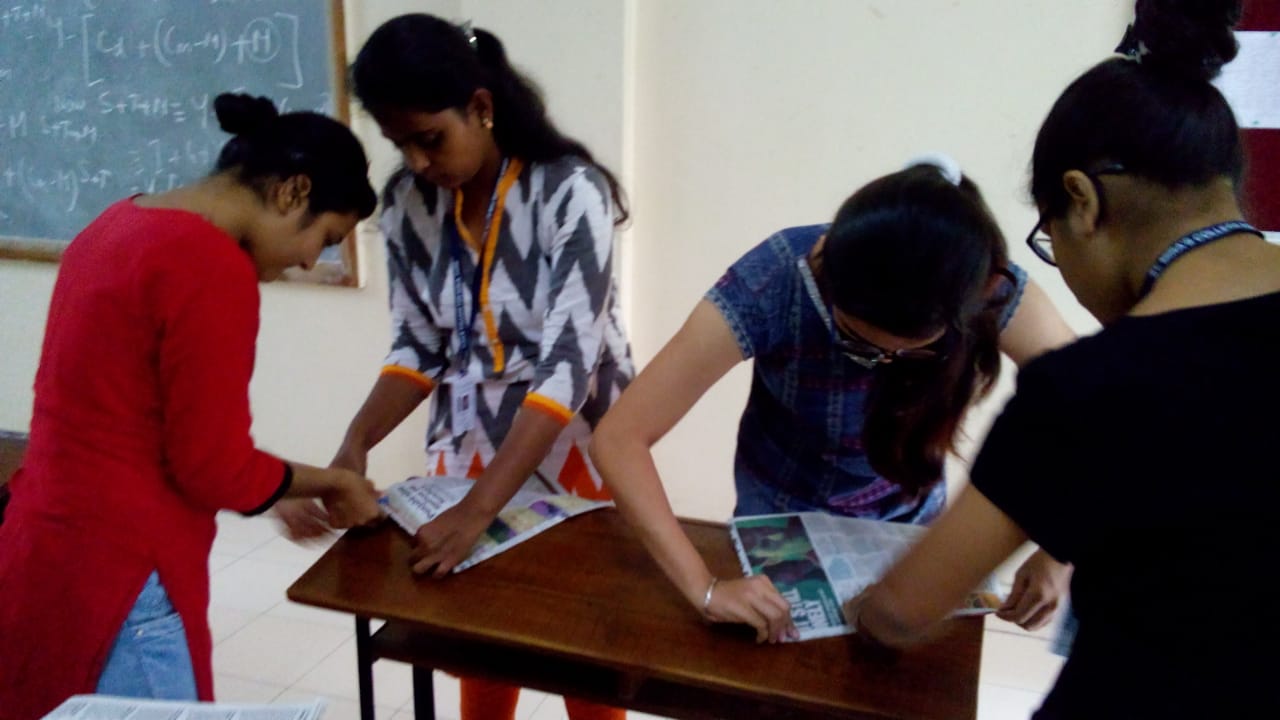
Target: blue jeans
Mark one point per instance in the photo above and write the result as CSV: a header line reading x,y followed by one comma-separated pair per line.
x,y
150,658
1066,635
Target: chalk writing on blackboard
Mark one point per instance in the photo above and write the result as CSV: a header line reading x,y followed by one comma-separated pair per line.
x,y
101,99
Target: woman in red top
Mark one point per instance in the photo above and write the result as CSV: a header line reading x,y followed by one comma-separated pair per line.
x,y
140,430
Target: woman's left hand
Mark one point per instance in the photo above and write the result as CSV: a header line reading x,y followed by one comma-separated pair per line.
x,y
446,541
302,519
1038,588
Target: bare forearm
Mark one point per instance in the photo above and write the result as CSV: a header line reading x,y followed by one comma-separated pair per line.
x,y
390,401
349,499
879,622
531,437
633,479
699,355
310,481
933,577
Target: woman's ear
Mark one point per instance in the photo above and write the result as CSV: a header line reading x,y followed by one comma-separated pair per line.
x,y
1084,206
292,193
481,106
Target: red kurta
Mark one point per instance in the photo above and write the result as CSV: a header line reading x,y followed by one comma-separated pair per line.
x,y
139,435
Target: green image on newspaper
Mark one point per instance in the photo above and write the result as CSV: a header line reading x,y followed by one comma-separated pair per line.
x,y
778,546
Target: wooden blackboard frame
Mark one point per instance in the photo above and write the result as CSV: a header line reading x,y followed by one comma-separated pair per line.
x,y
344,272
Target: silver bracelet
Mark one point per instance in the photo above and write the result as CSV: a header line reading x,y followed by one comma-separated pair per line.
x,y
706,599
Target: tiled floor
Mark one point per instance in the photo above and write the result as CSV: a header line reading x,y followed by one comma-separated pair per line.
x,y
268,649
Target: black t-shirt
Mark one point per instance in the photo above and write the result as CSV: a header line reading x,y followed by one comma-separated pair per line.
x,y
1149,456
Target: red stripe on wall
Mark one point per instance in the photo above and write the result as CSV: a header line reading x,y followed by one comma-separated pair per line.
x,y
1262,178
1260,15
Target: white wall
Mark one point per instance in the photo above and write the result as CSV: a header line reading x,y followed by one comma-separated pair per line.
x,y
727,119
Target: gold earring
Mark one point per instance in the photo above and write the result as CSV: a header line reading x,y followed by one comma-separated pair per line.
x,y
487,123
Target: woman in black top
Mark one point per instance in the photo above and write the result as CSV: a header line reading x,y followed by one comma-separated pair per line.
x,y
1143,454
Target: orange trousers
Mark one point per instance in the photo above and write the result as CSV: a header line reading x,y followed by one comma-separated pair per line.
x,y
489,700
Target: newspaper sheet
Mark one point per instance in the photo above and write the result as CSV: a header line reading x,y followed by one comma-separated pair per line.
x,y
107,707
416,501
819,562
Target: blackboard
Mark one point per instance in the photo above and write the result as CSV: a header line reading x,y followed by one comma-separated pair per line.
x,y
101,99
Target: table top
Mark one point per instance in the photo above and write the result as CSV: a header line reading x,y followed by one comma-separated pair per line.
x,y
586,591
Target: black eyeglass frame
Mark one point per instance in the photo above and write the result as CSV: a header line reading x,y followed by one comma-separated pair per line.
x,y
1042,246
867,354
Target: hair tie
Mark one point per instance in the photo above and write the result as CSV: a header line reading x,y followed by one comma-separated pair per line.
x,y
469,31
945,164
1131,47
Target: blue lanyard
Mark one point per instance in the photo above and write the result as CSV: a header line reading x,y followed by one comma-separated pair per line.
x,y
457,250
1189,242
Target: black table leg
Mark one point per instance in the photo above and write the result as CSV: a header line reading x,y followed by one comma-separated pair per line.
x,y
424,694
364,668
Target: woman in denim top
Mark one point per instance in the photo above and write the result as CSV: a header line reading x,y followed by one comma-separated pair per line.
x,y
871,338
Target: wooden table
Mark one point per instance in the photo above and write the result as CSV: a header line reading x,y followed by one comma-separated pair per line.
x,y
582,610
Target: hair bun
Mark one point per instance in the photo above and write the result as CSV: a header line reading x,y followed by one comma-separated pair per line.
x,y
1185,37
240,114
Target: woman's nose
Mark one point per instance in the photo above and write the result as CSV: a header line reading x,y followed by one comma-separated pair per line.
x,y
416,160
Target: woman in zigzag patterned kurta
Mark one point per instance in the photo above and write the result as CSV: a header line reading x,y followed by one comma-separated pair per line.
x,y
548,336
503,306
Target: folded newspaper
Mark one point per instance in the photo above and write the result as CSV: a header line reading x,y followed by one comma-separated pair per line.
x,y
819,562
107,707
419,500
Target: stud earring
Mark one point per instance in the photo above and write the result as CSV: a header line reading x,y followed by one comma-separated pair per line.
x,y
487,123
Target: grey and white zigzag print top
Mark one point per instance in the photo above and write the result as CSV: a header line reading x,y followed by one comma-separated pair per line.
x,y
549,334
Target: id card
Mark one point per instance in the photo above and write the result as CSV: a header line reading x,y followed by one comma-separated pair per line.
x,y
462,393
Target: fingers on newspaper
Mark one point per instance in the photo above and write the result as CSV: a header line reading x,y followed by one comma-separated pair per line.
x,y
819,562
419,500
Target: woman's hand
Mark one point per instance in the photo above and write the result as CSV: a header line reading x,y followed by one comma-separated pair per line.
x,y
1038,588
446,541
351,500
755,602
302,519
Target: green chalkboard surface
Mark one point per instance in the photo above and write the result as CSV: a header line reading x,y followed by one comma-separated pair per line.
x,y
101,99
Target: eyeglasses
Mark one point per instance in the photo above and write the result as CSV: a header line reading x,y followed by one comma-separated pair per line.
x,y
869,355
1041,244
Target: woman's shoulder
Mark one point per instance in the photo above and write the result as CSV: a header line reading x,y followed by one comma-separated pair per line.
x,y
405,188
1091,371
565,173
797,241
783,249
167,235
772,264
166,252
